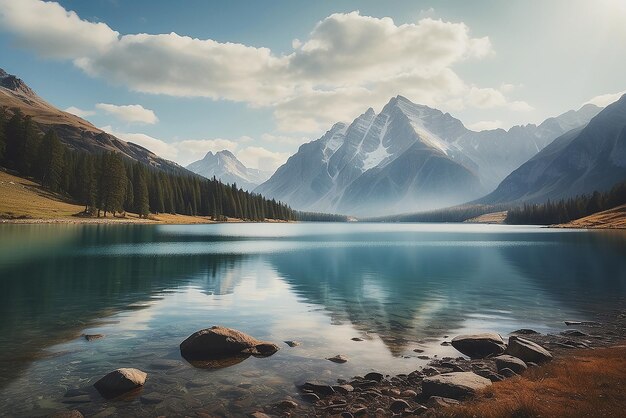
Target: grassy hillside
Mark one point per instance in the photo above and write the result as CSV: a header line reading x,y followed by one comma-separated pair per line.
x,y
612,218
23,198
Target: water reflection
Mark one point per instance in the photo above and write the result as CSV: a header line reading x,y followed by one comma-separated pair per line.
x,y
398,286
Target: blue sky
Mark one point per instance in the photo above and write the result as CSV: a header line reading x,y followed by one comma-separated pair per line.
x,y
261,78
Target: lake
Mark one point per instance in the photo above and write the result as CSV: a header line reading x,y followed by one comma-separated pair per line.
x,y
396,286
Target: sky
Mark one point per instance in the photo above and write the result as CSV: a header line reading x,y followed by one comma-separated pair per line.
x,y
261,78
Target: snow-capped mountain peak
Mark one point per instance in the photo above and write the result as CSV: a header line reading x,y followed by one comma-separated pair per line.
x,y
226,167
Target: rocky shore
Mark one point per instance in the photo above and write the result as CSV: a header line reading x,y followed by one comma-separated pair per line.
x,y
484,360
443,387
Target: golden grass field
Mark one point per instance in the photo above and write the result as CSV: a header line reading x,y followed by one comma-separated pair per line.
x,y
613,218
24,201
587,383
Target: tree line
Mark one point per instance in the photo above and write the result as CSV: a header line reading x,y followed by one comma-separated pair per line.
x,y
566,210
454,214
109,183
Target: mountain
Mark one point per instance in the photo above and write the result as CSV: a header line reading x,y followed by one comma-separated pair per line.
x,y
579,162
227,168
75,132
408,157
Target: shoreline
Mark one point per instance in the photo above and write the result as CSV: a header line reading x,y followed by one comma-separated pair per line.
x,y
131,220
378,394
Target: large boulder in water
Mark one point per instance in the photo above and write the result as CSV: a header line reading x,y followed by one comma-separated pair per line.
x,y
220,342
120,381
479,345
527,350
455,385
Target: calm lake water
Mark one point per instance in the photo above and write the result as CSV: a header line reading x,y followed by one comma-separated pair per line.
x,y
397,286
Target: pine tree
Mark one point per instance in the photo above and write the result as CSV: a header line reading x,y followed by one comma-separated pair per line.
x,y
140,189
87,183
3,143
49,164
112,184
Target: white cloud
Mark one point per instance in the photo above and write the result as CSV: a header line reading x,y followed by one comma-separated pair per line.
x,y
606,99
52,31
158,146
261,158
488,98
81,113
485,125
187,151
129,113
347,60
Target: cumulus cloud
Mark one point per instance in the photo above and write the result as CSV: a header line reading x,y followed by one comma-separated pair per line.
x,y
346,61
129,113
261,158
158,146
488,98
187,151
606,99
81,113
52,31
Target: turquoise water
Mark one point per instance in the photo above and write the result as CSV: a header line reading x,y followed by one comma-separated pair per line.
x,y
397,286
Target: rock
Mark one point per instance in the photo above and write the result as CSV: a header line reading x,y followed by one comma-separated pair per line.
x,y
292,343
525,331
593,323
418,410
504,361
151,399
77,399
356,339
258,414
441,402
91,337
455,385
374,376
418,350
223,342
445,343
506,372
430,371
310,397
527,350
408,394
363,384
320,389
120,381
287,404
346,414
479,345
66,414
398,405
338,359
359,412
423,357
343,389
574,333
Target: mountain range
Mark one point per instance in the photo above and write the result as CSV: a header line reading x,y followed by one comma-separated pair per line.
x,y
584,160
75,132
408,157
226,167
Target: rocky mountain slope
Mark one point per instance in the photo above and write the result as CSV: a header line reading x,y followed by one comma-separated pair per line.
x,y
226,167
408,157
579,162
75,132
